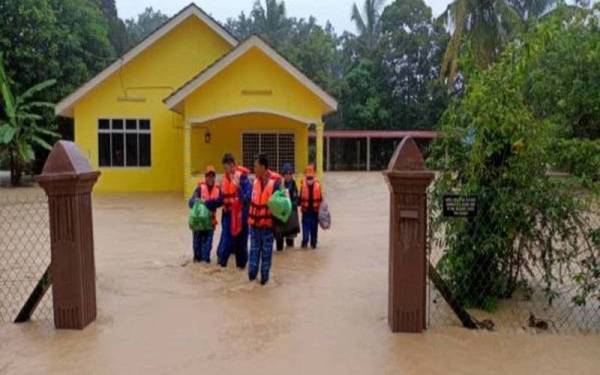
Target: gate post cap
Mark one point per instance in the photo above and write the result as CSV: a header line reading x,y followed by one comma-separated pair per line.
x,y
66,162
407,157
407,165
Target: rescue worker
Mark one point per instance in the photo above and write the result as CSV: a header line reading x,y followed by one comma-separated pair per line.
x,y
290,185
310,202
237,192
210,194
261,221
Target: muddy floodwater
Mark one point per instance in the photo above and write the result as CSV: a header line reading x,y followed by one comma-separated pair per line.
x,y
323,313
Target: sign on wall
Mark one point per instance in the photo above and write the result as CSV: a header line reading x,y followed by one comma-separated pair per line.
x,y
459,205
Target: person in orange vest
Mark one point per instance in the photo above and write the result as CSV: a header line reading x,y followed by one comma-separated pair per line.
x,y
237,191
209,193
260,220
310,202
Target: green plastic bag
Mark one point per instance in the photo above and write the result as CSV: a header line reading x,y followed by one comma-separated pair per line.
x,y
200,218
280,205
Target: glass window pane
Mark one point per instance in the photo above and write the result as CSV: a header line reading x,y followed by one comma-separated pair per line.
x,y
145,124
104,150
103,124
118,154
131,124
145,151
131,149
117,124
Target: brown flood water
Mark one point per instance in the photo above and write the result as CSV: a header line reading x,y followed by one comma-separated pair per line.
x,y
323,313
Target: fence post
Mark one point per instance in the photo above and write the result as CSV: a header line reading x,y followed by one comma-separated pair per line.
x,y
68,179
408,180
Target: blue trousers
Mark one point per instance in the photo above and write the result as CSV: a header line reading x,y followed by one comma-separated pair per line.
x,y
202,245
310,228
233,245
261,253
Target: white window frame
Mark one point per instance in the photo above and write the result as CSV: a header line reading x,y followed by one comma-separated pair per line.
x,y
124,131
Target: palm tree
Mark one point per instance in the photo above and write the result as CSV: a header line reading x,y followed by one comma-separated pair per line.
x,y
271,21
367,23
19,129
487,25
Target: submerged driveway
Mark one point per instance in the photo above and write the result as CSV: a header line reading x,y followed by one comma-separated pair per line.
x,y
323,313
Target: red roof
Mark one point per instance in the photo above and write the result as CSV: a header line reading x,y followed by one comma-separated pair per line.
x,y
417,134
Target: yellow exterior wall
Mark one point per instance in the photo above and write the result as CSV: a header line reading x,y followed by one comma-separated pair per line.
x,y
226,136
167,64
253,72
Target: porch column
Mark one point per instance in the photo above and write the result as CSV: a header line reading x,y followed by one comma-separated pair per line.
x,y
187,157
319,144
328,162
368,154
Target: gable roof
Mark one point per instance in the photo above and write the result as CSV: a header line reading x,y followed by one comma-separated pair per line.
x,y
175,100
65,107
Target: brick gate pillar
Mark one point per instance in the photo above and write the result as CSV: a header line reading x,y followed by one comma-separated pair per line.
x,y
408,180
68,180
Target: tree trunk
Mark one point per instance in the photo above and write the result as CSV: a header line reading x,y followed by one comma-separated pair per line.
x,y
16,170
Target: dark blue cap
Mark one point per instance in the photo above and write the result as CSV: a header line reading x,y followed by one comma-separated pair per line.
x,y
287,168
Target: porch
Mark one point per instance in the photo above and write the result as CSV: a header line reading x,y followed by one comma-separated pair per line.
x,y
283,137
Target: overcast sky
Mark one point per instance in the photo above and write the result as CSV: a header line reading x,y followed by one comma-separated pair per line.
x,y
336,11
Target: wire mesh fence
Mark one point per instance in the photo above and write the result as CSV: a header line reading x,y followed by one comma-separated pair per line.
x,y
24,251
548,287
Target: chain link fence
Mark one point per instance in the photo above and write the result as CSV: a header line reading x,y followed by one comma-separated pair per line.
x,y
536,288
24,251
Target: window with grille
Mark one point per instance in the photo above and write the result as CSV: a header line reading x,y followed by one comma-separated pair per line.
x,y
279,147
124,143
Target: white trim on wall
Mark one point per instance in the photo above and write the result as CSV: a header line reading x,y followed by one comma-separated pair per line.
x,y
202,120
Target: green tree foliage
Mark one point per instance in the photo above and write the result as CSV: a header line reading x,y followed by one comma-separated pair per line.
x,y
117,32
309,46
368,23
146,23
498,143
486,26
410,53
563,84
314,49
363,104
19,124
66,40
395,86
269,21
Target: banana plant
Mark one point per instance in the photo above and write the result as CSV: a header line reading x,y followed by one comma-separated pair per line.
x,y
20,124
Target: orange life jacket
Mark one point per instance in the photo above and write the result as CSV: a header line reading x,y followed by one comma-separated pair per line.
x,y
231,190
274,175
205,195
305,196
260,215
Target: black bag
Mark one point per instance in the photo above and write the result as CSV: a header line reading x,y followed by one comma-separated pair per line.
x,y
289,228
